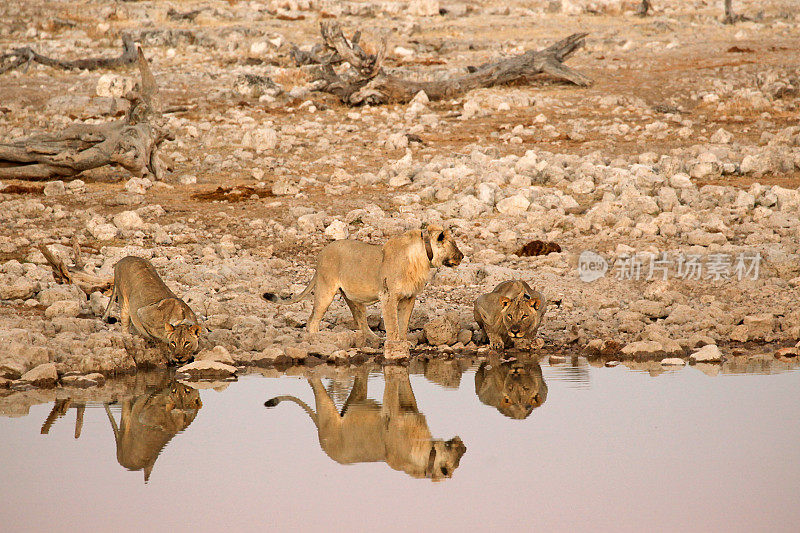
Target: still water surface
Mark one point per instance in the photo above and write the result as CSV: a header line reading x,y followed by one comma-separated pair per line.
x,y
507,446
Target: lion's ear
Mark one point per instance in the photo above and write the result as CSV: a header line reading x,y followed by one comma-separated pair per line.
x,y
169,328
195,330
505,302
536,303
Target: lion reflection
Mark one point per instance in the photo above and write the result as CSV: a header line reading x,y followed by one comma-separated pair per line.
x,y
149,421
394,432
515,388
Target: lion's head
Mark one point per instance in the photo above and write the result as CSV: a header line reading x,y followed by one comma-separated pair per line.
x,y
513,388
183,341
443,249
444,458
523,315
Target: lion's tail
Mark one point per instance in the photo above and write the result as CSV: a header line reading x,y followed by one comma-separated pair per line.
x,y
303,405
272,297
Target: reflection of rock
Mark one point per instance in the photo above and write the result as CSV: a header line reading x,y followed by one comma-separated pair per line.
x,y
514,388
394,432
445,373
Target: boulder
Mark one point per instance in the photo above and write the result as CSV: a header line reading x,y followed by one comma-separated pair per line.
x,y
128,220
707,354
20,289
337,230
442,330
43,376
207,369
219,354
69,308
513,205
643,350
85,381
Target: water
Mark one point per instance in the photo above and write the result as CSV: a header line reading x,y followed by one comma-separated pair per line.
x,y
600,449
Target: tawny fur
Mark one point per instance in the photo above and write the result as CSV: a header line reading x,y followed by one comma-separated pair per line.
x,y
154,310
394,432
393,274
513,388
511,314
149,421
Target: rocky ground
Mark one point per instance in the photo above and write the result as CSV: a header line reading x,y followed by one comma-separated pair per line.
x,y
685,148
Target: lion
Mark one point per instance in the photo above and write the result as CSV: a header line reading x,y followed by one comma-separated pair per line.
x,y
149,421
394,432
510,314
155,311
512,387
393,274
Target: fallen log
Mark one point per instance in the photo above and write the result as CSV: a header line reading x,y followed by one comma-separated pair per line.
x,y
131,142
366,82
75,275
26,55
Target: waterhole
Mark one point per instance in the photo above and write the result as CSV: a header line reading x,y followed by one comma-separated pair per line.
x,y
441,445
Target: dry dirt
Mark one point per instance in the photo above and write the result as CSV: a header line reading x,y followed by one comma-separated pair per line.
x,y
659,68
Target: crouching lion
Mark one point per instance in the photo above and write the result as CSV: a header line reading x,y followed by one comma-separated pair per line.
x,y
512,387
367,432
393,274
156,313
510,314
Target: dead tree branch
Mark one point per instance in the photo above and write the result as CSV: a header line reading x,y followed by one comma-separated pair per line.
x,y
26,55
365,81
131,142
86,282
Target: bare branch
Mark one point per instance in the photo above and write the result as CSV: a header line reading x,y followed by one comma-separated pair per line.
x,y
26,55
367,82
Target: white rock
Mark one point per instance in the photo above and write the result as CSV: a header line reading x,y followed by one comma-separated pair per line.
x,y
128,220
69,308
513,205
707,354
138,185
258,48
219,354
582,186
471,108
424,8
114,85
261,140
673,361
337,230
721,136
54,188
199,369
44,375
680,181
19,289
753,164
485,193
